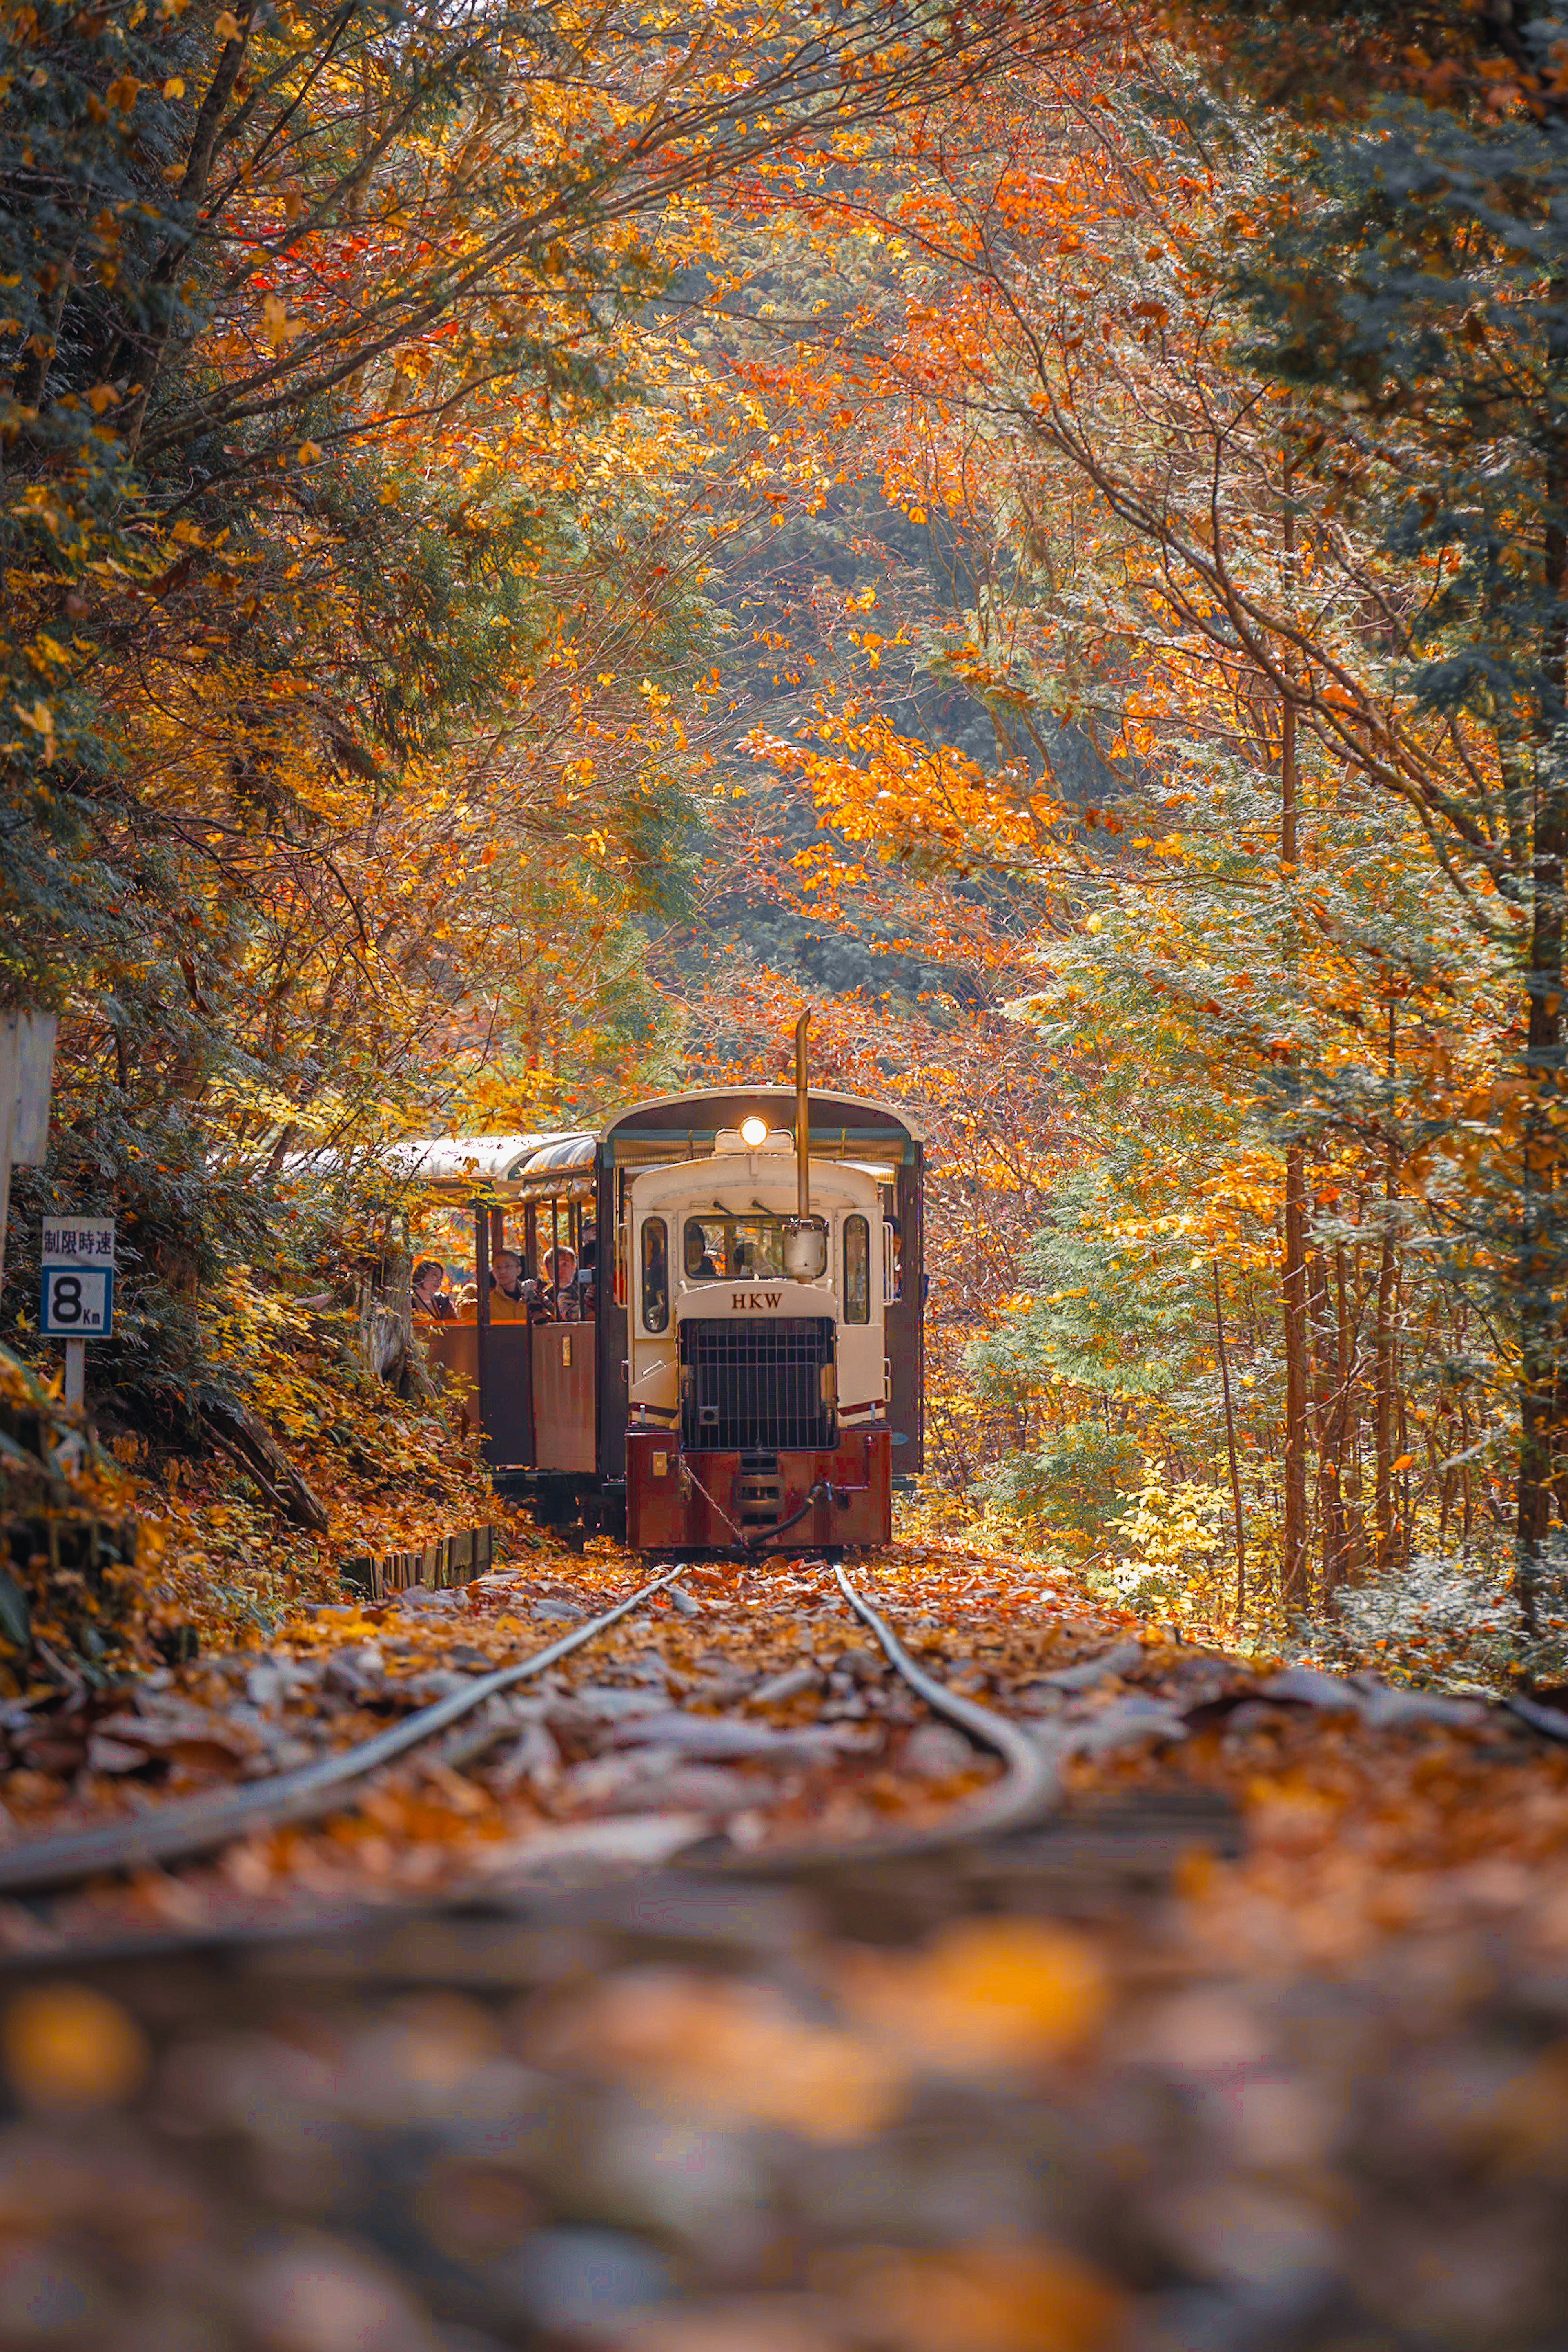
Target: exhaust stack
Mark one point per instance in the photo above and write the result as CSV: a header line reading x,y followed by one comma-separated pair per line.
x,y
802,1122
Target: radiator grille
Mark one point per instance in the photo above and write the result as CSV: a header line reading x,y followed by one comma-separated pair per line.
x,y
755,1384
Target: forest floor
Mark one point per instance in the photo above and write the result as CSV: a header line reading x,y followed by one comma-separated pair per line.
x,y
1260,2039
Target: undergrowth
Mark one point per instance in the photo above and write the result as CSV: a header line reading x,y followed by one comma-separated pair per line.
x,y
209,1560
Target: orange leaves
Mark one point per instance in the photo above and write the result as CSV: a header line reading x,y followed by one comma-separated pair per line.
x,y
906,798
67,2046
988,1994
1001,2297
730,2050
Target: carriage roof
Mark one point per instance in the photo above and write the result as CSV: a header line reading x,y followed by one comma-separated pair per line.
x,y
522,1167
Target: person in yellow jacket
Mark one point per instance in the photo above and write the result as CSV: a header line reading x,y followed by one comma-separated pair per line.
x,y
509,1301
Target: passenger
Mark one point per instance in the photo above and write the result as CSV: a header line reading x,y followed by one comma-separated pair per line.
x,y
700,1267
559,1295
509,1301
427,1292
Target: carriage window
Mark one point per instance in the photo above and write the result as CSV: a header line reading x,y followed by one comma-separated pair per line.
x,y
857,1270
656,1274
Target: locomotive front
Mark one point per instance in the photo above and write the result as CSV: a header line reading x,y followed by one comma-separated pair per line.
x,y
758,1368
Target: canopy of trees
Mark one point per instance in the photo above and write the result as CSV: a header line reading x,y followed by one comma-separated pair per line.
x,y
536,545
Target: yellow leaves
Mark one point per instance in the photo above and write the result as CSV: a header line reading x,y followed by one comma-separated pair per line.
x,y
225,26
40,721
986,1994
175,87
310,452
277,327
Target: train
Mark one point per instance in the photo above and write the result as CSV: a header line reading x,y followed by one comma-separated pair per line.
x,y
740,1366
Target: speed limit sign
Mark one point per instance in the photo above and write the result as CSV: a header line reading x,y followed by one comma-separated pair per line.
x,y
79,1302
79,1277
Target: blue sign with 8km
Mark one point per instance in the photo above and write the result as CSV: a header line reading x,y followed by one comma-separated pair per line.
x,y
79,1302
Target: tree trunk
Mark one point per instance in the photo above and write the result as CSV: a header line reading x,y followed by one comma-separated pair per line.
x,y
236,1431
1230,1444
1382,1354
1538,1272
1293,1571
1328,1415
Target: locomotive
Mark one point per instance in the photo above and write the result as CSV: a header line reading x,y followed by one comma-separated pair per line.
x,y
746,1371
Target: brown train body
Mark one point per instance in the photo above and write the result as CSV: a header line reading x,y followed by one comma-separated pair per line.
x,y
749,1370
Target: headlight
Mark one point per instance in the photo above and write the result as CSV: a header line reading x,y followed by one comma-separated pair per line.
x,y
754,1132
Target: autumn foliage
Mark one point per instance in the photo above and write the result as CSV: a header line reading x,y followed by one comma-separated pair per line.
x,y
531,553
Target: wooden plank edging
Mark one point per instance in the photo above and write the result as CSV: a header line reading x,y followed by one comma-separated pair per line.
x,y
450,1560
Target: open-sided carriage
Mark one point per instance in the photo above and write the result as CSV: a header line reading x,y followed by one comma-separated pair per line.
x,y
744,1368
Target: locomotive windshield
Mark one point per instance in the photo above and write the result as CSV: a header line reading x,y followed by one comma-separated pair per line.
x,y
735,1249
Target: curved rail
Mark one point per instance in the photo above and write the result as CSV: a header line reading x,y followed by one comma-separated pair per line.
x,y
1032,1787
195,1825
1029,1790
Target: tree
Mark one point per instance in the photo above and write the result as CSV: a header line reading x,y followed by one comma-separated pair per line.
x,y
354,659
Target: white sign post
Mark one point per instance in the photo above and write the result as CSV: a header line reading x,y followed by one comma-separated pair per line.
x,y
26,1076
77,1259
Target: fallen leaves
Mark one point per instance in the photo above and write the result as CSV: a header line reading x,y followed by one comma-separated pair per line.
x,y
735,2052
999,2105
991,2297
68,2046
985,1994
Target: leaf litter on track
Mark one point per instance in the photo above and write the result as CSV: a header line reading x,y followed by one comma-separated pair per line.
x,y
1264,2043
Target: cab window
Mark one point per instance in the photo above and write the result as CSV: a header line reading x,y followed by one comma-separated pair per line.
x,y
706,1257
734,1249
656,1274
857,1270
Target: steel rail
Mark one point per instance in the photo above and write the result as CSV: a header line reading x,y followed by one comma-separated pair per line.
x,y
1030,1788
195,1825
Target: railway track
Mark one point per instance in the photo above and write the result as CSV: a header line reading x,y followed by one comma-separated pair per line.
x,y
989,2087
185,1831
